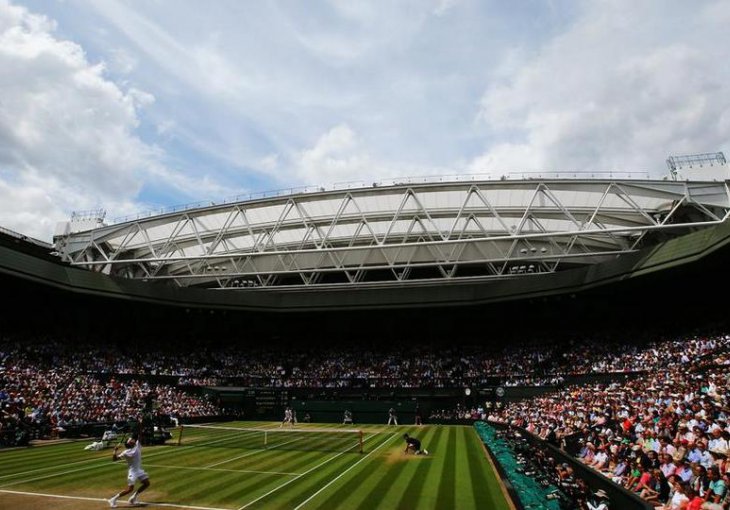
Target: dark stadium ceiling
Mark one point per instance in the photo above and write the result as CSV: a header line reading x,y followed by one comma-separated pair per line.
x,y
400,234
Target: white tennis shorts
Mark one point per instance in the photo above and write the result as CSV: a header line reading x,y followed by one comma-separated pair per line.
x,y
136,474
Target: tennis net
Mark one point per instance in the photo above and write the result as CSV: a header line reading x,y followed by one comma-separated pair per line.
x,y
316,439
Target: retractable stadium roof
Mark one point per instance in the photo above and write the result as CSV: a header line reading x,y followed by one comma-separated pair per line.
x,y
402,233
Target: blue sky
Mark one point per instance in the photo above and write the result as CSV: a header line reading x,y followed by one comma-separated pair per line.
x,y
136,105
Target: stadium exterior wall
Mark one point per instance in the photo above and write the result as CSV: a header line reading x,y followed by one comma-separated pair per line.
x,y
675,252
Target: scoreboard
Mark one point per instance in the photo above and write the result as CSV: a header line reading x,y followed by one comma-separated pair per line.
x,y
265,400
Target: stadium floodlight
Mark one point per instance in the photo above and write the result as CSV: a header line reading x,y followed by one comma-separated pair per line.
x,y
314,439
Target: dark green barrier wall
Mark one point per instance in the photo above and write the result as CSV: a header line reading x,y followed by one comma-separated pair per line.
x,y
620,497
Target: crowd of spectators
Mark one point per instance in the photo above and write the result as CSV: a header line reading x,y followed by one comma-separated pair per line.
x,y
663,434
44,391
668,396
460,412
536,363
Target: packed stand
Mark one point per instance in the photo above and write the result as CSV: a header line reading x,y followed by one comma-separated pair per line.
x,y
539,363
43,394
663,435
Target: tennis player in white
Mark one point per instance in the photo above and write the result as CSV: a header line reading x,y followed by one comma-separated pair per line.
x,y
133,456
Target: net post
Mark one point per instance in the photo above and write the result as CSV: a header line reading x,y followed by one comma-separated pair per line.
x,y
266,439
179,438
359,435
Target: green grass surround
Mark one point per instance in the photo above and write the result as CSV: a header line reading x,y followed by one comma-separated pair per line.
x,y
231,470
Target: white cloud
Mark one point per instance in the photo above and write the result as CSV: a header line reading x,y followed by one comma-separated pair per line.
x,y
36,221
269,163
336,157
32,203
67,133
614,93
444,6
122,61
264,95
165,127
340,156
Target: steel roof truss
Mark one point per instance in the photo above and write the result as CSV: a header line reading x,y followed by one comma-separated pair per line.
x,y
128,236
411,264
551,196
340,210
232,215
364,221
424,210
518,229
310,226
628,200
402,204
587,224
492,209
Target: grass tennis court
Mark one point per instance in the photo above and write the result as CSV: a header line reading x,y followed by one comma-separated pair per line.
x,y
233,470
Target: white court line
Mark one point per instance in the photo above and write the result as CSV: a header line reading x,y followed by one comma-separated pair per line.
x,y
81,498
48,468
258,450
105,464
108,463
231,460
99,466
298,477
85,461
153,454
222,469
345,471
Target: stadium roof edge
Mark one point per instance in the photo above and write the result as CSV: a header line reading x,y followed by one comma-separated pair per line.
x,y
674,252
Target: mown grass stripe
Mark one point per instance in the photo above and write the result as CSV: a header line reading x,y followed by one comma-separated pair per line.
x,y
413,492
305,486
192,456
250,484
209,486
47,454
488,489
437,450
295,464
223,470
79,498
385,479
56,474
340,493
279,487
44,464
464,493
376,496
300,464
315,469
343,473
445,498
275,460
